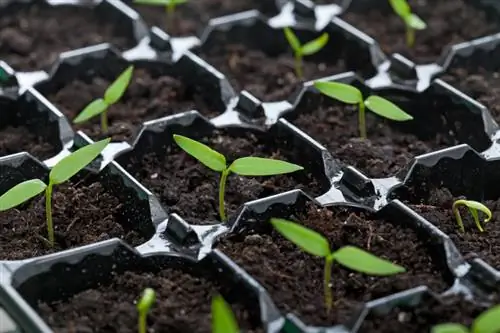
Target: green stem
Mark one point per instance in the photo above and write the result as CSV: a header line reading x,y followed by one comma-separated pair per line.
x,y
410,36
104,122
361,120
170,15
142,323
298,65
222,190
456,211
326,283
48,214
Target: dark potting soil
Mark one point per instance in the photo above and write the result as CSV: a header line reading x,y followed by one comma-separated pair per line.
x,y
385,151
448,22
295,279
19,139
147,98
32,36
422,318
266,77
82,214
183,304
190,189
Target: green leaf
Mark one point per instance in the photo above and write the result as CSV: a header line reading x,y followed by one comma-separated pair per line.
x,y
20,193
315,45
71,164
292,40
116,90
258,166
147,300
340,91
223,319
308,240
386,109
152,2
415,22
401,7
361,261
471,204
93,109
488,321
206,155
449,328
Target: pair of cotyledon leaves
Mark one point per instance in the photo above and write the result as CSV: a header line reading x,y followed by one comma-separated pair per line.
x,y
487,322
403,9
308,48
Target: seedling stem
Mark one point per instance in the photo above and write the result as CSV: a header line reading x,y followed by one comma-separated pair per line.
x,y
362,120
222,191
48,214
473,207
143,307
104,122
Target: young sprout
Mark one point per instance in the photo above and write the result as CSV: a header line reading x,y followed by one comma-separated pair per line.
x,y
111,96
307,49
168,4
487,322
412,21
352,95
348,256
245,166
144,306
473,206
223,320
60,173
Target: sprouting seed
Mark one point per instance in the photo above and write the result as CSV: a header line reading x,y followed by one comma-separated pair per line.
x,y
60,173
411,20
168,4
143,307
486,322
223,319
350,257
352,95
473,207
112,95
245,166
307,49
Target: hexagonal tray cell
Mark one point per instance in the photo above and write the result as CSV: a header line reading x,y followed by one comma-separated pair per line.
x,y
35,32
294,279
442,116
265,67
448,23
95,288
185,186
157,89
89,208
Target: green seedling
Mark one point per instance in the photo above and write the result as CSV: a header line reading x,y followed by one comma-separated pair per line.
x,y
223,320
143,307
412,21
169,6
112,95
60,173
487,322
245,166
307,49
352,95
473,207
350,257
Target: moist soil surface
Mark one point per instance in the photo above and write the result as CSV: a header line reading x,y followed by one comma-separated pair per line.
x,y
267,77
422,318
448,22
294,279
19,139
480,84
146,98
82,214
182,305
188,188
471,243
32,36
192,17
385,151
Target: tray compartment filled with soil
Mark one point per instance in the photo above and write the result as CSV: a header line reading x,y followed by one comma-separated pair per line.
x,y
76,290
186,187
34,33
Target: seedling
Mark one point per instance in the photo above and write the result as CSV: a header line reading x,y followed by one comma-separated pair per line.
x,y
245,166
223,320
348,256
168,4
144,306
60,173
111,96
307,49
487,322
473,207
412,21
352,95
